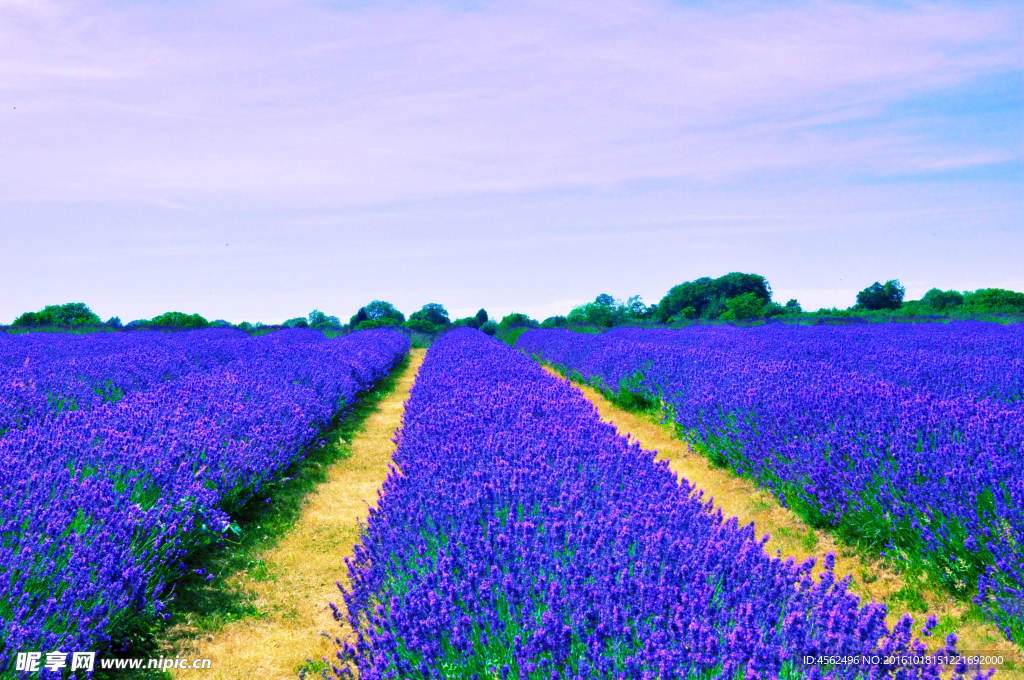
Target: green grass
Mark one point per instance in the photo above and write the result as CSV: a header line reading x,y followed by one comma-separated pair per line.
x,y
912,598
260,523
510,335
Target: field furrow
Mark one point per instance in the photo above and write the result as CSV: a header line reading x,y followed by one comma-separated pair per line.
x,y
296,576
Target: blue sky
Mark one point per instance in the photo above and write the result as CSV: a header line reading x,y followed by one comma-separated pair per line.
x,y
256,160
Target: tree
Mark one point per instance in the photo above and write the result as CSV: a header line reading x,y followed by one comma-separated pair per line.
x,y
179,320
316,317
221,323
600,312
793,307
297,322
358,317
707,297
378,309
878,296
320,321
943,300
554,322
489,327
475,321
606,311
433,312
746,306
70,314
516,319
994,301
636,310
113,322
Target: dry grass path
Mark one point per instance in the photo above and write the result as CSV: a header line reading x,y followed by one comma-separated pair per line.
x,y
300,571
873,579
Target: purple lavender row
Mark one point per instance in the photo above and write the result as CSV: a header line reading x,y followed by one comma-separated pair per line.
x,y
100,506
44,373
521,537
835,423
964,358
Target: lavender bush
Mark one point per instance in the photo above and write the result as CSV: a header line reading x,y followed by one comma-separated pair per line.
x,y
518,536
101,504
46,373
908,437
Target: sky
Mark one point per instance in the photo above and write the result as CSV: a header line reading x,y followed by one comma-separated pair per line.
x,y
255,160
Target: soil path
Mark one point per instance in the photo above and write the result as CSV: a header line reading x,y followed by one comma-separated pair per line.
x,y
304,565
792,537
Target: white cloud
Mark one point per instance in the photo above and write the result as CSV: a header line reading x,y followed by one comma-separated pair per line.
x,y
502,156
295,102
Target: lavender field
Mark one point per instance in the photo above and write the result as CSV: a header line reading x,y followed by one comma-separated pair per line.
x,y
518,536
120,453
908,438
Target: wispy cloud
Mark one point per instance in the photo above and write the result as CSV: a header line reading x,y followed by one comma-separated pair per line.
x,y
283,102
500,153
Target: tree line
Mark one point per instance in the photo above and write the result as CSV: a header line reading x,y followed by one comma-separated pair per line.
x,y
733,297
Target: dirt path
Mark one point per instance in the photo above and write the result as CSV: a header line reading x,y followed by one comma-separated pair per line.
x,y
301,569
792,537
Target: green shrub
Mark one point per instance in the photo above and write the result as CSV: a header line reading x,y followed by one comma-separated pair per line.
x,y
511,334
916,308
297,322
746,306
489,327
418,323
554,322
994,301
685,314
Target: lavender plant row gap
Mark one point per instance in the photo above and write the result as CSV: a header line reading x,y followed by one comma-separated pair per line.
x,y
100,505
908,436
518,536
